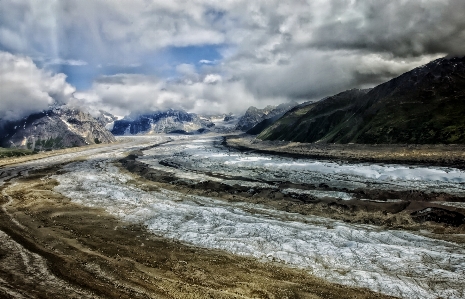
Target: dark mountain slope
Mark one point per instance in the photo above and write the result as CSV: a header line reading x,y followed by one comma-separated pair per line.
x,y
424,106
315,120
258,128
267,122
254,116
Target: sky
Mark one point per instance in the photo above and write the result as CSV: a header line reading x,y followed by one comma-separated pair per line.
x,y
209,56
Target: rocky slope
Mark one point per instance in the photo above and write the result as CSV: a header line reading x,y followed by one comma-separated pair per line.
x,y
253,115
224,123
423,106
106,119
52,129
169,121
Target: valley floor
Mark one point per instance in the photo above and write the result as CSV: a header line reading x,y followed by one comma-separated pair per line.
x,y
452,155
187,217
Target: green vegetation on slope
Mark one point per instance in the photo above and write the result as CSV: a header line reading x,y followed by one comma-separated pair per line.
x,y
315,121
49,144
11,152
424,106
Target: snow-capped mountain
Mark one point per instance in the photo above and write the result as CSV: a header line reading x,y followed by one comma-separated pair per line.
x,y
224,123
106,119
169,121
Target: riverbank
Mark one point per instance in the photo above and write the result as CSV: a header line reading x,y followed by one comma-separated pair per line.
x,y
380,211
415,154
9,152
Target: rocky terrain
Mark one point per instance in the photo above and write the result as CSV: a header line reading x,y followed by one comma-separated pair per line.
x,y
254,116
251,203
106,119
217,117
414,154
423,106
169,121
191,215
56,128
176,216
224,123
51,246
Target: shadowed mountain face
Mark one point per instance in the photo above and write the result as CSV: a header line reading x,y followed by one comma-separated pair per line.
x,y
258,128
53,129
254,116
169,121
423,106
106,119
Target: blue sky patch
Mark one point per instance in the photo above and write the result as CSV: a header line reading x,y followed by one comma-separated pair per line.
x,y
162,64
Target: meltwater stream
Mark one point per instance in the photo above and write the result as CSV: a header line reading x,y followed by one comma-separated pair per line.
x,y
196,157
392,262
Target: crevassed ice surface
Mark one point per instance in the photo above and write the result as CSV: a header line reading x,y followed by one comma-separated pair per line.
x,y
392,262
200,155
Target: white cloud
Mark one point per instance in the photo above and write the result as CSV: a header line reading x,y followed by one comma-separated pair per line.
x,y
270,49
126,93
205,61
212,79
186,69
71,62
25,89
121,94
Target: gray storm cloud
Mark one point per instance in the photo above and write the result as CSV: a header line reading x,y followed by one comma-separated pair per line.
x,y
403,28
272,50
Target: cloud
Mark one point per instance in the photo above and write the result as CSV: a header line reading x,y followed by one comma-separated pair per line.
x,y
24,88
186,69
129,29
205,61
71,62
313,77
101,30
403,28
270,50
212,79
315,74
125,93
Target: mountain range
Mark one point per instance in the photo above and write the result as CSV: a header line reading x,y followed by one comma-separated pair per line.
x,y
423,106
58,127
169,121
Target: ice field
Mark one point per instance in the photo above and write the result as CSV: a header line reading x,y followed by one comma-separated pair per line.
x,y
393,262
196,157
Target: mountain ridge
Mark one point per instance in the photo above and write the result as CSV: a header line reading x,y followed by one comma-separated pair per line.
x,y
425,105
254,116
57,127
171,120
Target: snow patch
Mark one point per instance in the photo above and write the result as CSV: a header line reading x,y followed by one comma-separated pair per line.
x,y
320,193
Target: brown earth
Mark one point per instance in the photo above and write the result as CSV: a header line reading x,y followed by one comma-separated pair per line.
x,y
46,154
52,248
452,155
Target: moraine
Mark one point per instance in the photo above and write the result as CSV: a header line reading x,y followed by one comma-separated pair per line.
x,y
393,262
